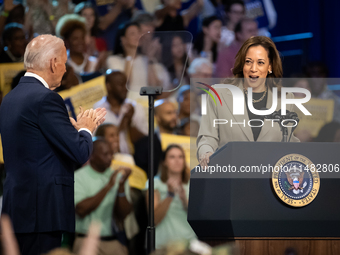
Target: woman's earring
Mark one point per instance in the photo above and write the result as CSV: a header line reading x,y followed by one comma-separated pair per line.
x,y
269,71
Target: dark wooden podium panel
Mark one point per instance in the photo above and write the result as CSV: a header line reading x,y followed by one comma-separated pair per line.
x,y
278,246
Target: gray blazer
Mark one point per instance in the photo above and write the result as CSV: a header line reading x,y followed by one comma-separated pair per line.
x,y
211,138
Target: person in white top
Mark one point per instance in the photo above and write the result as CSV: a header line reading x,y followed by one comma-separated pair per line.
x,y
235,13
123,112
72,29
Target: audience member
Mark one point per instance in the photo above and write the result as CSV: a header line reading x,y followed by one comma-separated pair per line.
x,y
235,11
72,29
14,40
112,14
123,112
330,132
169,19
200,68
166,118
301,83
101,196
206,44
245,29
95,46
171,198
142,70
178,69
319,72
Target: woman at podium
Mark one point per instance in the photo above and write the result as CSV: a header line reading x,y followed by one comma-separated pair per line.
x,y
257,65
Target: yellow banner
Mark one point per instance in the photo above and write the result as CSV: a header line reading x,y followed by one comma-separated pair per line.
x,y
84,95
184,142
322,113
137,178
7,72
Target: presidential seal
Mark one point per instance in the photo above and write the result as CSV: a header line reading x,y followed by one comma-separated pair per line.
x,y
295,180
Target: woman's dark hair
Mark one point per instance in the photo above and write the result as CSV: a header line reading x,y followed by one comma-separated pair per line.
x,y
274,78
164,173
231,3
81,7
327,132
118,49
199,42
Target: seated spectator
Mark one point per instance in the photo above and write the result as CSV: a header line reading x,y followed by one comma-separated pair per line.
x,y
171,198
169,19
14,40
235,11
72,29
330,132
95,46
178,69
69,80
207,42
110,133
319,72
122,112
112,14
200,68
166,117
245,29
141,70
103,196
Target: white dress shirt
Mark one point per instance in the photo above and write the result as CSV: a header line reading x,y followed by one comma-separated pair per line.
x,y
39,78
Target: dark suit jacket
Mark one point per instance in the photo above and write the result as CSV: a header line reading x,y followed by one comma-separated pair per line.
x,y
41,148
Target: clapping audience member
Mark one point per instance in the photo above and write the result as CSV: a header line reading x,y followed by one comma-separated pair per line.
x,y
235,11
123,112
245,29
171,198
178,69
206,44
72,29
11,12
319,72
14,41
95,46
142,69
103,196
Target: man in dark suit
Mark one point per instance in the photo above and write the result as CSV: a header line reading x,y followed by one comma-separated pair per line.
x,y
41,147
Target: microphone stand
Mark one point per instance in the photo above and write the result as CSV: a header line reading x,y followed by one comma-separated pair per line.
x,y
151,92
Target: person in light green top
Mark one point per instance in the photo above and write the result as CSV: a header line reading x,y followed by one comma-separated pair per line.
x,y
101,196
171,198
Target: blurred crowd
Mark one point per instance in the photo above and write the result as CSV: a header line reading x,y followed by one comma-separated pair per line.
x,y
111,38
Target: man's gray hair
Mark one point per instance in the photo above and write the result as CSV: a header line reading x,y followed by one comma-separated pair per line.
x,y
41,50
196,63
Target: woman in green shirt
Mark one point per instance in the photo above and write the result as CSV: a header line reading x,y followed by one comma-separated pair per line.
x,y
171,198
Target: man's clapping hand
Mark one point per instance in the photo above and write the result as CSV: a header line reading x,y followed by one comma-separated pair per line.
x,y
89,119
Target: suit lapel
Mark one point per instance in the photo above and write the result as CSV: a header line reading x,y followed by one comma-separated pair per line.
x,y
228,99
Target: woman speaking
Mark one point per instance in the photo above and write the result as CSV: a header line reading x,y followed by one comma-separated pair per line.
x,y
258,66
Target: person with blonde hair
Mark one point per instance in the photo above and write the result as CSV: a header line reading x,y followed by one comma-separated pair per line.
x,y
171,198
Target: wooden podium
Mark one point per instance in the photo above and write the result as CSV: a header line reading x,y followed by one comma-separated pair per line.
x,y
244,208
